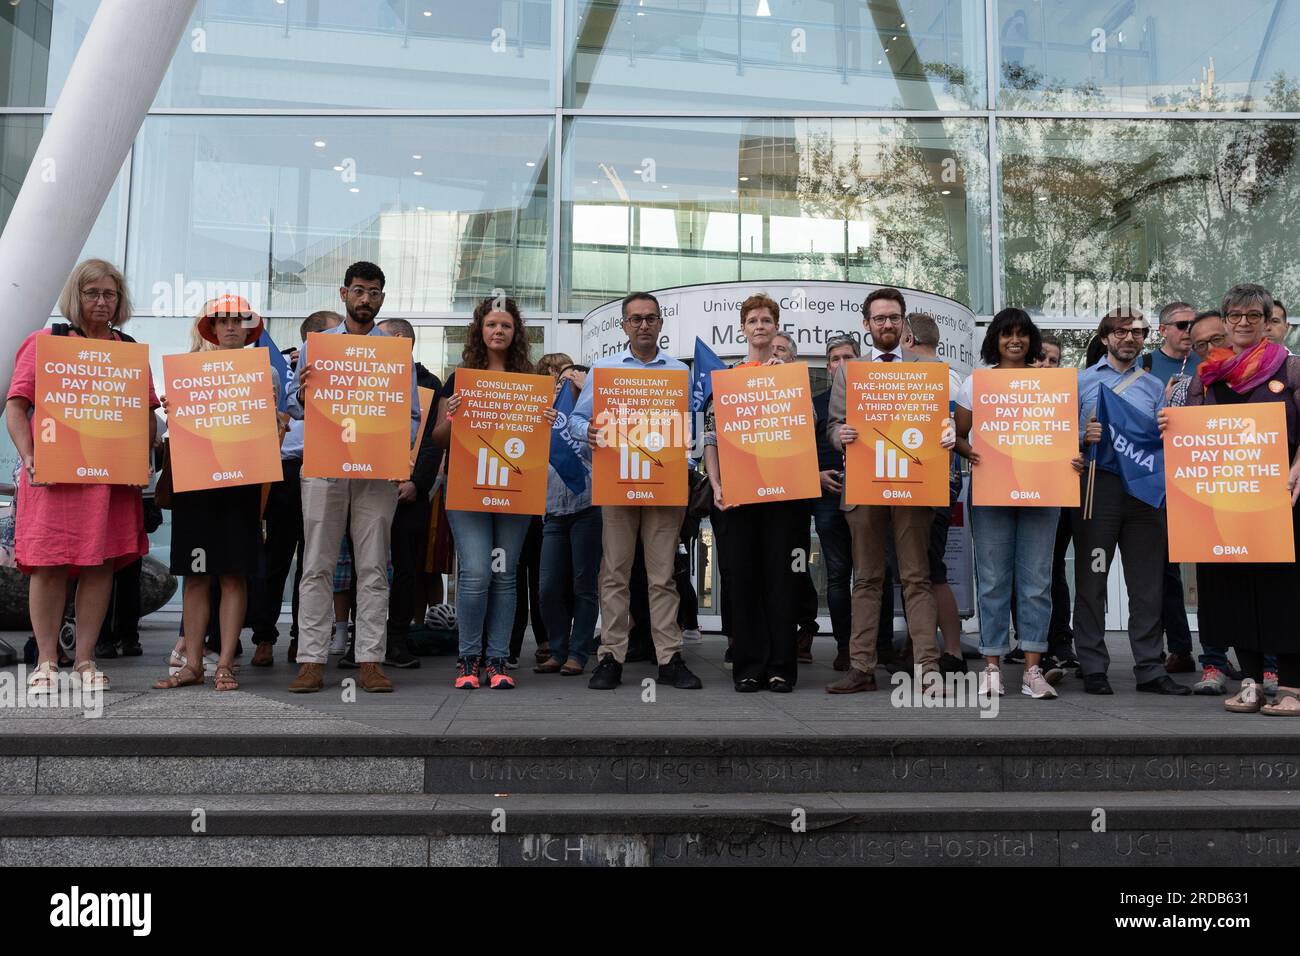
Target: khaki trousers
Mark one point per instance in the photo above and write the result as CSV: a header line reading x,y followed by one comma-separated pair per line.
x,y
659,529
329,507
868,526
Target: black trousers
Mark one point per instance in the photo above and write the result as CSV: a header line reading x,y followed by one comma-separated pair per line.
x,y
528,590
688,602
122,622
806,590
283,542
761,541
410,533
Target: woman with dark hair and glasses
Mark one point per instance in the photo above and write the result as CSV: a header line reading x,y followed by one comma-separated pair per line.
x,y
1253,606
1013,546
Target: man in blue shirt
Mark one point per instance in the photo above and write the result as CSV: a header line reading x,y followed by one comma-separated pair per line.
x,y
1119,519
657,526
362,507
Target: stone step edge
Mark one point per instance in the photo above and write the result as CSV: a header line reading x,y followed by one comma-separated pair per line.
x,y
1250,812
384,744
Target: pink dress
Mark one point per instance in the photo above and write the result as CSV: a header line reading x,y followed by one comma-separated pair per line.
x,y
80,526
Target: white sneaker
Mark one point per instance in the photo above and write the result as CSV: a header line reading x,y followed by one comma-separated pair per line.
x,y
1034,684
690,635
991,682
339,642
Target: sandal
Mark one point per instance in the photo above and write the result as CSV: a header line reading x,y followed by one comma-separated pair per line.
x,y
183,677
91,676
1285,704
226,679
1248,700
572,668
548,666
43,680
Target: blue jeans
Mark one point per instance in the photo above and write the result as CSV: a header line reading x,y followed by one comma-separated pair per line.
x,y
571,550
1014,544
485,581
837,549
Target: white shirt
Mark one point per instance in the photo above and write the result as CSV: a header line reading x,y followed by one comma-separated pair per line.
x,y
896,352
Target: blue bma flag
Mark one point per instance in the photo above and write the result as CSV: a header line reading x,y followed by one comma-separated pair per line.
x,y
279,364
706,363
566,451
1131,447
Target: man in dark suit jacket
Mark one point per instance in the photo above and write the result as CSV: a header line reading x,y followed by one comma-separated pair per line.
x,y
883,317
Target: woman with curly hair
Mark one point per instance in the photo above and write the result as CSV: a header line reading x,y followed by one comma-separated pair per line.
x,y
487,545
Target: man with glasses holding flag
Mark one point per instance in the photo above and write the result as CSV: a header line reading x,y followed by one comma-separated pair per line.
x,y
1119,519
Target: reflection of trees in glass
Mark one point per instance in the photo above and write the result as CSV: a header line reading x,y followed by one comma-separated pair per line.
x,y
895,180
1188,206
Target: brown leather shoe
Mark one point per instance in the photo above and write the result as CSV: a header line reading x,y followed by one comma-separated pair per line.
x,y
372,680
805,648
854,682
1179,664
309,680
841,660
264,656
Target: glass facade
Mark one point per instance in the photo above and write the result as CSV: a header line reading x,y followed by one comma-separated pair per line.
x,y
1062,157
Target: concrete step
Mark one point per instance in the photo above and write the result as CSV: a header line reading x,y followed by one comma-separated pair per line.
x,y
1164,828
379,763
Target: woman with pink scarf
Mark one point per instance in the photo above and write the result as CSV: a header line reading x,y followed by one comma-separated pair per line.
x,y
1253,606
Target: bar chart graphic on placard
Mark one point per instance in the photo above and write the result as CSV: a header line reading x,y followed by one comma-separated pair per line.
x,y
492,470
894,460
632,465
888,462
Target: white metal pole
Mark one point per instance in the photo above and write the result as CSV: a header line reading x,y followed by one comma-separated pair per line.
x,y
113,81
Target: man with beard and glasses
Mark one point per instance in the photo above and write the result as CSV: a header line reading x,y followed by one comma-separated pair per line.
x,y
361,507
1119,520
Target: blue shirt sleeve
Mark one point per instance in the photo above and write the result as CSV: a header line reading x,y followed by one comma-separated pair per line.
x,y
293,396
580,417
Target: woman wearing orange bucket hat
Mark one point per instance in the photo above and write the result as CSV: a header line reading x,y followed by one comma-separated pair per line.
x,y
220,526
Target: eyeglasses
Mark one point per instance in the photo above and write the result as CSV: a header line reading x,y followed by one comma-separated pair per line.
x,y
1139,334
91,295
892,319
1214,342
1248,318
643,319
361,292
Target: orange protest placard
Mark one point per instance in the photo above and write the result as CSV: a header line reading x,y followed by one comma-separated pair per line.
x,y
500,443
767,448
645,416
1226,474
427,398
91,420
1025,428
358,407
898,410
221,419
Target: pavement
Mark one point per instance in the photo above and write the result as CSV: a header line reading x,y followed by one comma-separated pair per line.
x,y
426,705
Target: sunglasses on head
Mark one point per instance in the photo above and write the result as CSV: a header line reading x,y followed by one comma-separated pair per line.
x,y
1182,326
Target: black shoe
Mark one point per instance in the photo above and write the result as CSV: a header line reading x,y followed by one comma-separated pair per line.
x,y
747,685
607,675
676,673
1096,684
131,648
398,654
106,650
1016,656
1068,663
1164,684
779,685
349,659
951,664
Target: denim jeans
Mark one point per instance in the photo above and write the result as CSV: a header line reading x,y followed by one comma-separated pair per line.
x,y
485,581
1014,544
837,549
571,550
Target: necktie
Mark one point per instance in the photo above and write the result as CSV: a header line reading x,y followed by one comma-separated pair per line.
x,y
888,357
